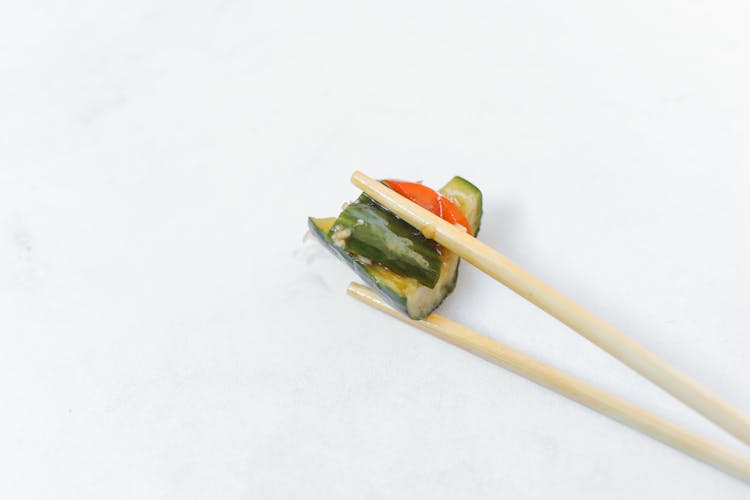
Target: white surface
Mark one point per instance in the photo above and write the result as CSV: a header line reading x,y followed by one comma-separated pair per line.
x,y
164,332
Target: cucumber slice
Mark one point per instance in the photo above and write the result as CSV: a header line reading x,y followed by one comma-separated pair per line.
x,y
406,293
468,198
370,231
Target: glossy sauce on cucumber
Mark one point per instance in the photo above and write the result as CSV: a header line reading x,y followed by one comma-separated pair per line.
x,y
405,292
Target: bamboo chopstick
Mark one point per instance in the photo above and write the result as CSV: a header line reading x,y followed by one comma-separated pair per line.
x,y
550,300
569,386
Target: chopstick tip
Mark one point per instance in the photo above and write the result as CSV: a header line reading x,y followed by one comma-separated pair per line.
x,y
360,179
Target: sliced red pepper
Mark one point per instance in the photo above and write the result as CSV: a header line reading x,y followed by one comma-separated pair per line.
x,y
430,200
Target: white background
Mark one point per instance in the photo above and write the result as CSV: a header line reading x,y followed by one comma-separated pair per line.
x,y
166,334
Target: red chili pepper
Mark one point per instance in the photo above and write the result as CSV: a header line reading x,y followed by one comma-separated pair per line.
x,y
430,200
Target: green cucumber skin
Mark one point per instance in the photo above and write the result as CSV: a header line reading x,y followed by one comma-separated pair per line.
x,y
380,236
395,299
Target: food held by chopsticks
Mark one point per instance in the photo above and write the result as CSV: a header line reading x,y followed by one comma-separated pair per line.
x,y
413,273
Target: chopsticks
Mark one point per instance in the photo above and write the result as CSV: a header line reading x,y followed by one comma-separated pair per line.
x,y
569,386
550,300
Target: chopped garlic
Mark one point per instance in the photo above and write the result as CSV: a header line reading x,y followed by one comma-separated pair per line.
x,y
362,259
340,235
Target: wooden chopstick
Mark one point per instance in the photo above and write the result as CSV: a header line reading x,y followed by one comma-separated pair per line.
x,y
569,386
550,300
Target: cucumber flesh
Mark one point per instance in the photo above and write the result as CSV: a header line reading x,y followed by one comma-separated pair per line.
x,y
468,198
